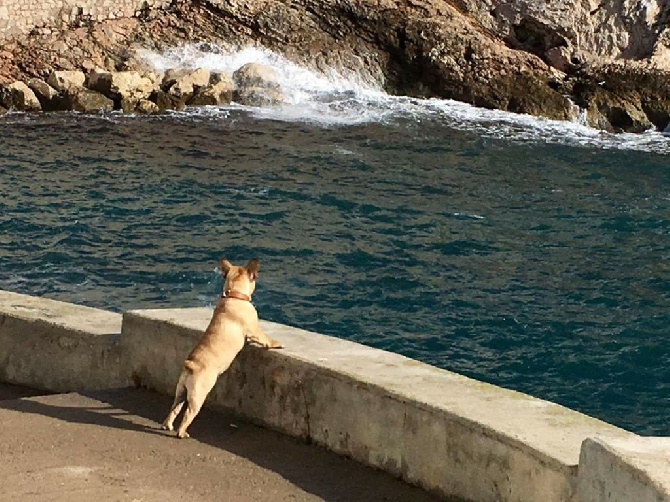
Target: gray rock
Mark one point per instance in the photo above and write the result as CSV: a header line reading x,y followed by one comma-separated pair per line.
x,y
258,96
121,85
18,96
146,107
65,80
128,105
218,76
220,93
165,101
86,100
256,75
182,84
143,106
50,99
257,85
658,112
41,89
171,76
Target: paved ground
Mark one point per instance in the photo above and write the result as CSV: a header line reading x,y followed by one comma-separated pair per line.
x,y
106,446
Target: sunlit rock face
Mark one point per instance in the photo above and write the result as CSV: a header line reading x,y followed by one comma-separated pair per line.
x,y
583,31
538,58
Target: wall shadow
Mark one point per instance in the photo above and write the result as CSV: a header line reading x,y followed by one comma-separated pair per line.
x,y
313,469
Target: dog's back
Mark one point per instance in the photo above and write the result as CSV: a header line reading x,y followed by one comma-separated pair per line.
x,y
223,339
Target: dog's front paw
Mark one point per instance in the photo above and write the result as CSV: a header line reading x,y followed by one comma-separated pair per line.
x,y
274,344
167,427
183,435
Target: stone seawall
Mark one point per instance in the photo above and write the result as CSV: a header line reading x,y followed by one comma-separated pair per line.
x,y
19,17
449,434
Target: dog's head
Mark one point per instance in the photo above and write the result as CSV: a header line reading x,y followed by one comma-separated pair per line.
x,y
240,279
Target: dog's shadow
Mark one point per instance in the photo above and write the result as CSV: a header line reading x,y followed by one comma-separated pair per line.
x,y
313,469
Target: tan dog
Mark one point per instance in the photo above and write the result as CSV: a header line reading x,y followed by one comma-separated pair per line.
x,y
234,320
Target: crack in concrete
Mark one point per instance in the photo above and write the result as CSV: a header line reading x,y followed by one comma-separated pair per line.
x,y
301,386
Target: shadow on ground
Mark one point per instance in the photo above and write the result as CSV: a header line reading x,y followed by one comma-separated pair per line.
x,y
10,391
313,469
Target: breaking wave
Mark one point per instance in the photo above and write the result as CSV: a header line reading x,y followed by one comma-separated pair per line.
x,y
338,99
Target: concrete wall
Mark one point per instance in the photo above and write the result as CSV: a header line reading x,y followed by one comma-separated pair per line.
x,y
432,427
625,469
447,433
21,16
57,346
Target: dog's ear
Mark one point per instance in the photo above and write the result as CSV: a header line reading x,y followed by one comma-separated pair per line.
x,y
252,268
225,266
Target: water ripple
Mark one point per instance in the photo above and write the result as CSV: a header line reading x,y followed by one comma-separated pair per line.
x,y
540,267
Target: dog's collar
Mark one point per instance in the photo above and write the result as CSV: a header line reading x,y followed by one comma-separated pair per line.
x,y
231,293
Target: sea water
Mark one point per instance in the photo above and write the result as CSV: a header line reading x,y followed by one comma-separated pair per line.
x,y
529,253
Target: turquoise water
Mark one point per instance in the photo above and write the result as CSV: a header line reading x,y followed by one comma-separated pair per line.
x,y
524,253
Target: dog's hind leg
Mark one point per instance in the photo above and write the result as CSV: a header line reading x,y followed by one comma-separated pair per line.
x,y
180,395
196,394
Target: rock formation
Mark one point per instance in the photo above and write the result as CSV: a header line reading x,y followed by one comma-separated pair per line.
x,y
63,81
257,85
148,92
120,85
20,97
525,56
569,33
219,92
85,100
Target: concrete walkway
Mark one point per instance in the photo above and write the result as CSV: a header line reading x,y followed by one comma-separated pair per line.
x,y
106,446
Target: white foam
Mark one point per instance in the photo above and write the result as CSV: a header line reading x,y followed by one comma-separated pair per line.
x,y
338,99
468,216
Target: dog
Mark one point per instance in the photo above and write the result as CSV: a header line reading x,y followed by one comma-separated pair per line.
x,y
234,321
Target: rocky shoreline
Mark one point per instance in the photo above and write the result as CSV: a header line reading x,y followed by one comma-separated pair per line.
x,y
445,49
144,91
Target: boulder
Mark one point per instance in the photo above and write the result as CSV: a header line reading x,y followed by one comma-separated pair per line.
x,y
18,96
218,76
65,80
257,85
220,93
170,77
3,110
155,77
42,90
183,83
256,75
165,101
86,100
146,107
121,85
258,96
143,106
128,105
50,99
